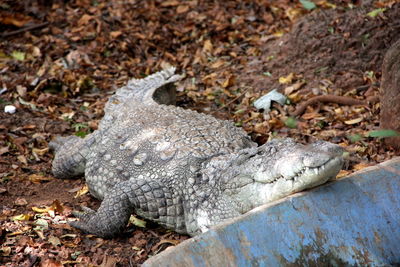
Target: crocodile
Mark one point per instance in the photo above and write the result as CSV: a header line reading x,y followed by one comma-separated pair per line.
x,y
185,170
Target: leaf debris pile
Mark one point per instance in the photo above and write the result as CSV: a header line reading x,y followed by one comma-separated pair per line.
x,y
60,60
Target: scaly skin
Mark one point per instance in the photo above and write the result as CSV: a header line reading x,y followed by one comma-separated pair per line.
x,y
182,169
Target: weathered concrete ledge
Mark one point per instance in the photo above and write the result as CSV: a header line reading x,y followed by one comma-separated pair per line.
x,y
351,222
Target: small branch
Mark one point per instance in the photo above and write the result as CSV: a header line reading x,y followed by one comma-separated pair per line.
x,y
342,100
29,28
232,101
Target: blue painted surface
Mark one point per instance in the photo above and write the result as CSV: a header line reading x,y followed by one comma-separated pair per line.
x,y
353,221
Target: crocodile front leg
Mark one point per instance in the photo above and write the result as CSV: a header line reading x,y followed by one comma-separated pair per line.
x,y
207,214
149,199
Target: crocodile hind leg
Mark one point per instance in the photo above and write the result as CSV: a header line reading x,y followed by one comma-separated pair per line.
x,y
70,156
149,199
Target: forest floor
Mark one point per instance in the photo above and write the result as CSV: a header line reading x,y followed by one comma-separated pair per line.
x,y
60,60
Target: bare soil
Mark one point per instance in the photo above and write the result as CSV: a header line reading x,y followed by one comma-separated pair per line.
x,y
59,75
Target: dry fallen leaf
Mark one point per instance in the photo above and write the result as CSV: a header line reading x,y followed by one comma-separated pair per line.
x,y
3,150
82,191
170,3
109,261
286,79
51,263
22,159
342,173
182,9
229,81
310,115
67,115
5,251
217,64
84,19
137,222
278,33
115,34
38,178
292,88
55,241
21,90
293,13
40,152
354,121
165,241
16,233
20,202
22,217
54,207
16,19
40,210
207,47
295,97
361,166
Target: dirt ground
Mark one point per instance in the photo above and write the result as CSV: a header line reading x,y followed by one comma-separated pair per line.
x,y
60,60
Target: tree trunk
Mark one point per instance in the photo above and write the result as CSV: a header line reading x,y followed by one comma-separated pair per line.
x,y
390,94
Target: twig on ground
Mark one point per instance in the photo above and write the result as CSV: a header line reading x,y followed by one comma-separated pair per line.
x,y
343,100
28,28
233,100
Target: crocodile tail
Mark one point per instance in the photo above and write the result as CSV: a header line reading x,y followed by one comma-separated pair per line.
x,y
142,89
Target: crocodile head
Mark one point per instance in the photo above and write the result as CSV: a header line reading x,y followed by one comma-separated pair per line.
x,y
277,169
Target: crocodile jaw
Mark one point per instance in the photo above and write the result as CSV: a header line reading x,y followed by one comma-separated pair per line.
x,y
257,193
308,177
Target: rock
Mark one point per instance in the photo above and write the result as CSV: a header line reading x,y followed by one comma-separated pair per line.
x,y
390,94
10,109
